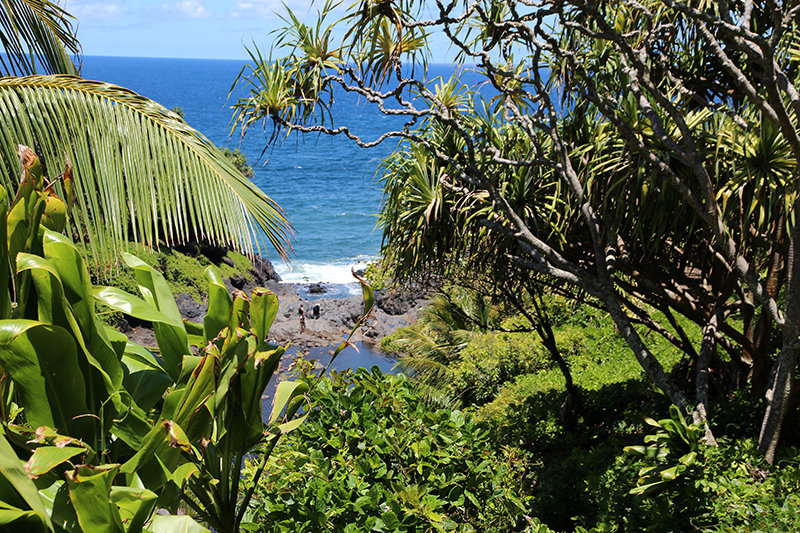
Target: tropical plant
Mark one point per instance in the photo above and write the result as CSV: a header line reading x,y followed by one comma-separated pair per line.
x,y
608,161
140,173
36,35
107,430
373,457
429,347
678,447
239,160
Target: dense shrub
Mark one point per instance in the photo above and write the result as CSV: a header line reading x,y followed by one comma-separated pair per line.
x,y
372,457
731,490
493,359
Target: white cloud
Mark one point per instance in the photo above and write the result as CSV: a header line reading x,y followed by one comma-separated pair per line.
x,y
188,9
89,11
267,9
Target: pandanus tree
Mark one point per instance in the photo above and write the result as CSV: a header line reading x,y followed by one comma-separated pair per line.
x,y
662,138
140,173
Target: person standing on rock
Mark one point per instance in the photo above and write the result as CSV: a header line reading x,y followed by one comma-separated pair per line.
x,y
302,313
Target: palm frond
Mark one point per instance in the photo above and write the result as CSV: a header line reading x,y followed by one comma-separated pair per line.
x,y
141,173
432,379
36,36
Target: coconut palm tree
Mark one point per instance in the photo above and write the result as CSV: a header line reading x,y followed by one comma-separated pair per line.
x,y
140,173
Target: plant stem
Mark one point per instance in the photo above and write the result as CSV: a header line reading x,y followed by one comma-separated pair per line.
x,y
249,494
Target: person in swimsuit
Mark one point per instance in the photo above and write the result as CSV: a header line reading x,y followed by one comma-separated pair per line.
x,y
302,313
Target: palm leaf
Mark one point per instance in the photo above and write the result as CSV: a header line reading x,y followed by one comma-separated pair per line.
x,y
36,35
141,174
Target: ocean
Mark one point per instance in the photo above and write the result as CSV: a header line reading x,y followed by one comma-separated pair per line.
x,y
326,185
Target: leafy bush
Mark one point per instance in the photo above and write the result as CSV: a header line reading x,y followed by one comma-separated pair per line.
x,y
239,160
372,457
525,412
732,490
491,360
745,494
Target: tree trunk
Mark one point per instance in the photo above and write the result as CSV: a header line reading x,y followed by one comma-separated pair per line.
x,y
647,360
782,380
778,395
707,349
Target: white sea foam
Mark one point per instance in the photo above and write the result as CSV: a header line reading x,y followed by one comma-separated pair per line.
x,y
338,272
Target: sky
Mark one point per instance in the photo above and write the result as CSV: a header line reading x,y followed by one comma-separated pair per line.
x,y
203,29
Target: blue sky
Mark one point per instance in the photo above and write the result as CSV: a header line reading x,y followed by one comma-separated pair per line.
x,y
208,29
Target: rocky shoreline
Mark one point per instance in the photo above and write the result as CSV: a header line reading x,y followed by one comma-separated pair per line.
x,y
394,309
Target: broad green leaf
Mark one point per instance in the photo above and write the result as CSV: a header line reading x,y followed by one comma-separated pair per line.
x,y
56,499
45,458
157,460
285,392
176,524
643,489
287,426
89,492
647,451
20,485
219,305
77,287
263,310
195,332
19,215
154,289
134,506
199,389
129,304
171,334
118,340
679,424
12,519
369,296
131,427
649,421
669,474
145,379
245,426
239,318
49,382
49,292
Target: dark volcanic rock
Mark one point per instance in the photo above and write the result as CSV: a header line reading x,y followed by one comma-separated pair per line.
x,y
263,269
190,310
317,288
399,301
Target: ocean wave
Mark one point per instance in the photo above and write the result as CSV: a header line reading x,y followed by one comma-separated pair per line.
x,y
338,272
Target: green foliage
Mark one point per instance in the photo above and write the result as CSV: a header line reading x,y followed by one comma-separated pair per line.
x,y
37,37
108,429
678,444
239,160
746,494
525,411
182,270
378,275
373,457
492,359
732,489
432,345
153,178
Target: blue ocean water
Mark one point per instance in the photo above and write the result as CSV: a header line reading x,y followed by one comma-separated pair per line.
x,y
326,185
